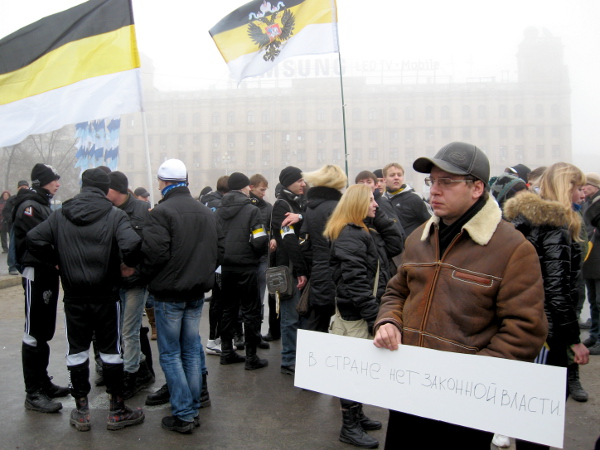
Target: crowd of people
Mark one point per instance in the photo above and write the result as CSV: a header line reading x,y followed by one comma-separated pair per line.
x,y
494,266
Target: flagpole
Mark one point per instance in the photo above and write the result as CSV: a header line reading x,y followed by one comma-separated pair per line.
x,y
148,168
343,112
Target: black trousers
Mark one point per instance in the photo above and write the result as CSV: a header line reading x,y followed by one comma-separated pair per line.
x,y
240,291
274,320
318,318
414,432
215,310
82,321
41,298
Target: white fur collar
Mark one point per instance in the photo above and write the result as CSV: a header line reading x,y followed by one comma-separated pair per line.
x,y
481,227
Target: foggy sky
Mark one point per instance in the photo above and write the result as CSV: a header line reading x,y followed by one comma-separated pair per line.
x,y
469,38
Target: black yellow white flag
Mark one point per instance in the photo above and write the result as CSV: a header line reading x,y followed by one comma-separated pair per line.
x,y
257,36
77,65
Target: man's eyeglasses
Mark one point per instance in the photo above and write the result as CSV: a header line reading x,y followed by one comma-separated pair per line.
x,y
443,182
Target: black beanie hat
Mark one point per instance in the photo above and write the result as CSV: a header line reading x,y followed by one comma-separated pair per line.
x,y
42,174
237,181
378,173
506,186
118,182
97,178
288,176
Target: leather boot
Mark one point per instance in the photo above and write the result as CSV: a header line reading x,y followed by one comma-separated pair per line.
x,y
80,416
39,401
152,322
130,384
352,432
575,389
228,354
160,397
54,391
121,416
366,423
144,376
204,397
253,362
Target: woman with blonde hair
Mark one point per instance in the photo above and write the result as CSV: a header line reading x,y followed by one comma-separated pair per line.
x,y
551,223
355,268
322,198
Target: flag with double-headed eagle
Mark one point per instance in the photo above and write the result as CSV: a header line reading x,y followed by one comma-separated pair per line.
x,y
257,36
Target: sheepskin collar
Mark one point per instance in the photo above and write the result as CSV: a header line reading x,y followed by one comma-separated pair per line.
x,y
481,227
535,210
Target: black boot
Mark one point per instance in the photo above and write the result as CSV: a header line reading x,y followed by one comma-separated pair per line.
x,y
80,416
54,391
39,401
263,344
253,362
228,354
352,432
366,423
238,341
204,397
160,397
575,389
130,384
121,416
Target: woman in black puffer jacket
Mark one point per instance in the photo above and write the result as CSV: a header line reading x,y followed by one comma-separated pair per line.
x,y
551,224
322,197
355,266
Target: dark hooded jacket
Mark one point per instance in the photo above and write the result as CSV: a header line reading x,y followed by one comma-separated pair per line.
x,y
544,224
410,208
31,207
321,203
288,244
87,238
245,235
591,215
182,246
137,211
212,200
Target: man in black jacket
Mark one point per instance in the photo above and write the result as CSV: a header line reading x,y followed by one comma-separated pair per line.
x,y
7,216
286,225
183,247
40,282
92,243
245,242
132,294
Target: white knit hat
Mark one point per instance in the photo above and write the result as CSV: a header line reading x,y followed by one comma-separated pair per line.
x,y
172,170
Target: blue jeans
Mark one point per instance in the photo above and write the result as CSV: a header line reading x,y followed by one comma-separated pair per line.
x,y
289,327
132,308
593,291
180,354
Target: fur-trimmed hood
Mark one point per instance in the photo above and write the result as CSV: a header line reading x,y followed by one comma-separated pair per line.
x,y
481,227
535,210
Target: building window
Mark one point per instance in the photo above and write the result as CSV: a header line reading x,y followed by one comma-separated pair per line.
x,y
540,151
429,133
429,113
409,113
266,117
301,136
539,111
409,136
394,153
285,116
196,119
393,113
555,132
130,160
481,112
555,111
357,155
163,140
519,153
250,158
250,139
373,135
320,115
446,133
196,159
466,112
300,115
356,114
181,120
196,140
230,118
519,132
321,155
539,132
356,135
518,111
301,155
266,156
503,132
394,137
502,153
556,152
216,140
445,112
336,115
215,159
409,155
266,136
502,112
250,117
285,137
373,156
372,114
481,132
215,118
337,155
337,136
231,140
181,140
162,120
321,137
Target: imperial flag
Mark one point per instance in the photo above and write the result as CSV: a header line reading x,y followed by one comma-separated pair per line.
x,y
74,66
257,36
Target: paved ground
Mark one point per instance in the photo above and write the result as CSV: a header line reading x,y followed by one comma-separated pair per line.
x,y
250,409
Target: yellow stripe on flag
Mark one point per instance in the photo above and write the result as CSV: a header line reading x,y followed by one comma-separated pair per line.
x,y
95,56
235,43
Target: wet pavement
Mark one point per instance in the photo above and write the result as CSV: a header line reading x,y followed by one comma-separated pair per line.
x,y
250,409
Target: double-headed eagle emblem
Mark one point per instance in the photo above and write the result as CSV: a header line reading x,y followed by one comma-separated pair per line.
x,y
271,28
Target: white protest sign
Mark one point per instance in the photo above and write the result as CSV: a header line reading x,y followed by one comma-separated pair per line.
x,y
514,398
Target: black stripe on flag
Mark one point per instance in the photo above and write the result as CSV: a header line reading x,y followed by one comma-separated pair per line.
x,y
91,18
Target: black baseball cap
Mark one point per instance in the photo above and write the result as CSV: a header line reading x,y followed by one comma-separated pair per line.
x,y
141,192
457,158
